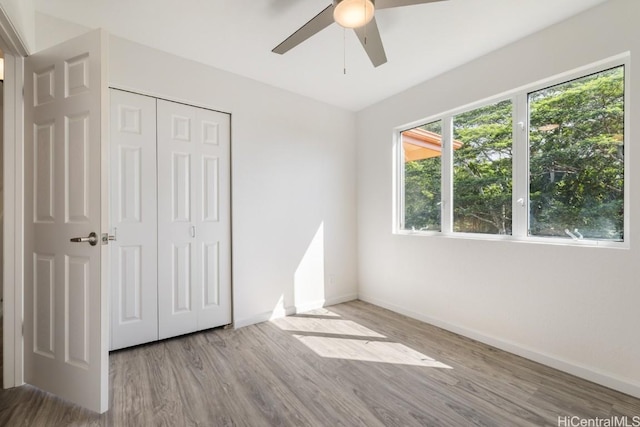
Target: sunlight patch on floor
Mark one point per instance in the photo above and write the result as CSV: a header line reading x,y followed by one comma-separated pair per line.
x,y
368,351
330,336
325,326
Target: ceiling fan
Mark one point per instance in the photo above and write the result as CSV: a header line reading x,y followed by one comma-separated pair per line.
x,y
356,14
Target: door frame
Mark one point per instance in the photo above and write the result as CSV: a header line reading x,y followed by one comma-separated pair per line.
x,y
15,49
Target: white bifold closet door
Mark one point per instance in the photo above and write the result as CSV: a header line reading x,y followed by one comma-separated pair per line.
x,y
170,216
194,241
134,272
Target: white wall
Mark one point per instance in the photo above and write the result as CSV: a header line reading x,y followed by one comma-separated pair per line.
x,y
575,308
293,174
50,30
21,13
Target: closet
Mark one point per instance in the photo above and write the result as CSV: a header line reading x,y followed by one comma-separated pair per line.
x,y
170,219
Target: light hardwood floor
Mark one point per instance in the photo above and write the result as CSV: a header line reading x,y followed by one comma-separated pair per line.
x,y
353,364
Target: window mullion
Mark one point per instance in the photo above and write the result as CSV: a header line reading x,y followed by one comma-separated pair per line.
x,y
520,166
447,175
400,184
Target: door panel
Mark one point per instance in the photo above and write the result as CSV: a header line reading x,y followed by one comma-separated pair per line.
x,y
134,303
76,156
194,243
211,276
181,185
181,283
76,327
65,308
213,221
177,262
44,301
43,170
211,189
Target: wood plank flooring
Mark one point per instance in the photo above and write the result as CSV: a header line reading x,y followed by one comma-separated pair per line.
x,y
352,364
1,347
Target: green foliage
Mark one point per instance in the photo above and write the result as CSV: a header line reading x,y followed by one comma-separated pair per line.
x,y
482,171
576,164
422,190
577,167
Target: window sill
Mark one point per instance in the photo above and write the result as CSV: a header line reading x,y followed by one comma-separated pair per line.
x,y
515,239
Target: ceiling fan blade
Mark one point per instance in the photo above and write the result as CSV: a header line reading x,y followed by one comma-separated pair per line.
x,y
318,23
386,4
369,36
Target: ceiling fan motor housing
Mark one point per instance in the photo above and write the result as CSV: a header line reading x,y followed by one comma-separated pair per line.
x,y
353,13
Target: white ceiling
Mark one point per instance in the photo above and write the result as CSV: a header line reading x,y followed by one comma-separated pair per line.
x,y
421,41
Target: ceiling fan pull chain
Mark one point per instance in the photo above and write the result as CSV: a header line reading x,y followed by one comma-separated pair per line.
x,y
344,51
364,13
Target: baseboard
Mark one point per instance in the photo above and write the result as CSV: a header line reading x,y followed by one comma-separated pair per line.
x,y
341,299
588,373
291,310
263,317
308,306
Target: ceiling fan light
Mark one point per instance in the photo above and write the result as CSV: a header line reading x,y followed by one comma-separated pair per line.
x,y
353,13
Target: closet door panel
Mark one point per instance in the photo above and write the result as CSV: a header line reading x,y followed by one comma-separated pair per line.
x,y
194,240
178,264
134,309
213,220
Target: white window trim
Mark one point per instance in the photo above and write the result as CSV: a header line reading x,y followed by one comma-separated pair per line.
x,y
520,159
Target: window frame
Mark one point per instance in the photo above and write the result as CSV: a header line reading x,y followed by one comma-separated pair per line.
x,y
520,162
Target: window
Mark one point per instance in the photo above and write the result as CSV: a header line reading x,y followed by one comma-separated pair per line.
x,y
422,147
463,173
576,158
482,170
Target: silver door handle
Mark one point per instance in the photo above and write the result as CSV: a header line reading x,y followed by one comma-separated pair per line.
x,y
193,231
92,239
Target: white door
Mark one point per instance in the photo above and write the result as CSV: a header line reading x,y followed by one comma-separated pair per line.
x,y
212,193
194,244
134,272
65,309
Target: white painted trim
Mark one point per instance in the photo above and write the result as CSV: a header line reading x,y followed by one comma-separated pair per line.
x,y
313,305
8,233
586,372
104,220
13,221
14,49
12,40
158,95
289,311
341,299
324,303
520,167
263,317
446,178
